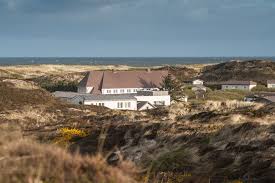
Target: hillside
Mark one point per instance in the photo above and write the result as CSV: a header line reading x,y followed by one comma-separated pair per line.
x,y
229,140
185,142
255,70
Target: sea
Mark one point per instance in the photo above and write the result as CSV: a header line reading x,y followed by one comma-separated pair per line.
x,y
131,61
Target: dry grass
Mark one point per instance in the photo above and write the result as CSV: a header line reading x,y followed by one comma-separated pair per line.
x,y
23,160
22,84
228,105
12,97
29,115
30,71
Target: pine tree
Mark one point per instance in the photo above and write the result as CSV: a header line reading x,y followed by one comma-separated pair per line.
x,y
172,86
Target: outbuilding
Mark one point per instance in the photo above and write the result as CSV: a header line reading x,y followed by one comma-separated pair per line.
x,y
198,82
238,85
270,83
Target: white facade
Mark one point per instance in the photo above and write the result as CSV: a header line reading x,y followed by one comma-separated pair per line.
x,y
271,85
155,100
237,87
110,91
198,82
114,104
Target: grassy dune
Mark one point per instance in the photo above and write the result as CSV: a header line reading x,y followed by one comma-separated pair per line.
x,y
183,143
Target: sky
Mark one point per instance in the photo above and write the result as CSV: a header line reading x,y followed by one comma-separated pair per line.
x,y
137,28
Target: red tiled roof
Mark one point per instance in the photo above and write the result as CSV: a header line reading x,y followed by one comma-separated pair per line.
x,y
122,79
93,79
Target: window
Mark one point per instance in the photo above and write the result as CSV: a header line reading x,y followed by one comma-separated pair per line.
x,y
129,90
122,91
127,104
108,91
115,91
135,90
120,105
100,104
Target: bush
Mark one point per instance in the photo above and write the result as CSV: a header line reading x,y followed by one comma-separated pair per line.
x,y
158,112
176,160
222,95
23,160
52,85
262,88
67,134
60,86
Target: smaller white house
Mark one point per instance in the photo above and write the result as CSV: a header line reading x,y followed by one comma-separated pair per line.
x,y
238,85
198,82
156,98
270,83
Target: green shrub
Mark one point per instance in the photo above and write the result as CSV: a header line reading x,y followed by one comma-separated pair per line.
x,y
222,95
262,88
171,161
52,85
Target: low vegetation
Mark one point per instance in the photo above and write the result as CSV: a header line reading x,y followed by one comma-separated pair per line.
x,y
219,95
68,134
23,160
213,139
255,70
56,84
262,88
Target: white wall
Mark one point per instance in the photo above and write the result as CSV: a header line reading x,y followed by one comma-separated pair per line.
x,y
153,99
124,90
237,87
84,89
113,104
270,85
197,82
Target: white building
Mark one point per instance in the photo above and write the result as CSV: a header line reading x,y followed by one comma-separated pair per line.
x,y
122,102
141,101
270,84
198,82
125,90
238,85
121,82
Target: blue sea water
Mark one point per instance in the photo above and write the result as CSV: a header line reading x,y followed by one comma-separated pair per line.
x,y
131,61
